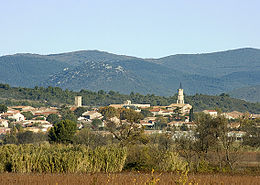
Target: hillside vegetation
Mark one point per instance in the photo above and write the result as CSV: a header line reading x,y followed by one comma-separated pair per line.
x,y
55,96
251,93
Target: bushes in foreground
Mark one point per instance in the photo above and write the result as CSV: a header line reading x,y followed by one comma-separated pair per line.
x,y
149,157
60,159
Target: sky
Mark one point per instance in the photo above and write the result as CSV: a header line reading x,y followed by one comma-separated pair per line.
x,y
141,28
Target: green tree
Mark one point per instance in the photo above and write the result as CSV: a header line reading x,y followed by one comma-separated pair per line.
x,y
3,108
53,118
66,113
160,122
130,115
63,132
206,133
184,127
252,137
86,137
146,113
28,115
96,123
228,150
109,112
128,132
19,127
11,138
191,115
80,110
70,116
30,137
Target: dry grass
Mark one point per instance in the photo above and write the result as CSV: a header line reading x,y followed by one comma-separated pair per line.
x,y
124,178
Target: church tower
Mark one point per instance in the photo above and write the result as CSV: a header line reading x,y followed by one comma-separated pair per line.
x,y
78,101
180,95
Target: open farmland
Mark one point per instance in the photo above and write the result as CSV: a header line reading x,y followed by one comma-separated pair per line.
x,y
126,178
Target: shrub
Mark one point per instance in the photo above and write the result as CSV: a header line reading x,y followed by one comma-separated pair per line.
x,y
61,159
148,157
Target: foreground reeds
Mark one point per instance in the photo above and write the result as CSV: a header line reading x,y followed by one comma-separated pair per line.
x,y
61,159
81,159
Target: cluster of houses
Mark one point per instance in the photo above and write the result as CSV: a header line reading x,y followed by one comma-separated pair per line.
x,y
177,116
37,124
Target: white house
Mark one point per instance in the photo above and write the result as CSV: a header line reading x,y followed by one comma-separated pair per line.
x,y
3,123
46,127
238,135
14,114
92,115
212,113
129,103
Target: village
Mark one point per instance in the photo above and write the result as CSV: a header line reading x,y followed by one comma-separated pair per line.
x,y
177,118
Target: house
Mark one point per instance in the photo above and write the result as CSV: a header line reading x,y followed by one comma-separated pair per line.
x,y
13,114
238,135
23,108
184,108
150,119
36,125
33,129
167,112
150,132
233,115
234,125
4,130
115,120
32,122
147,123
175,123
212,113
228,116
156,111
92,115
3,123
255,116
79,126
162,112
45,111
128,103
191,125
45,127
184,134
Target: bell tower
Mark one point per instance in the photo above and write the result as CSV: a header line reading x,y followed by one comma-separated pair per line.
x,y
78,101
180,95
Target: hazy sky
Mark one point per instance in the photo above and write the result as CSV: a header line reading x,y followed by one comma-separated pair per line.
x,y
143,28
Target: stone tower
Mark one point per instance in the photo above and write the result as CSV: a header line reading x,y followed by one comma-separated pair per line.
x,y
180,95
78,101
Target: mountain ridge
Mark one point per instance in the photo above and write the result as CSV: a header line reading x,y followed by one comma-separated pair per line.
x,y
208,73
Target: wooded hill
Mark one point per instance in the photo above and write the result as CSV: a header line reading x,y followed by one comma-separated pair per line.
x,y
55,96
208,73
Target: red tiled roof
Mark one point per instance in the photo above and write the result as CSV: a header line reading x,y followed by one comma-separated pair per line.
x,y
155,110
211,110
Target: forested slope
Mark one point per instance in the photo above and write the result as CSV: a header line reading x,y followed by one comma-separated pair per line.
x,y
55,96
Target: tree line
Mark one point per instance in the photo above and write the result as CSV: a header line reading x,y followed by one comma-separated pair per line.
x,y
55,96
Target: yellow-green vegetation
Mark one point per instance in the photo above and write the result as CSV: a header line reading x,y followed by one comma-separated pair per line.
x,y
61,159
151,157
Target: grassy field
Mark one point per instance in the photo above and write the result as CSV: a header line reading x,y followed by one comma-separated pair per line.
x,y
126,178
